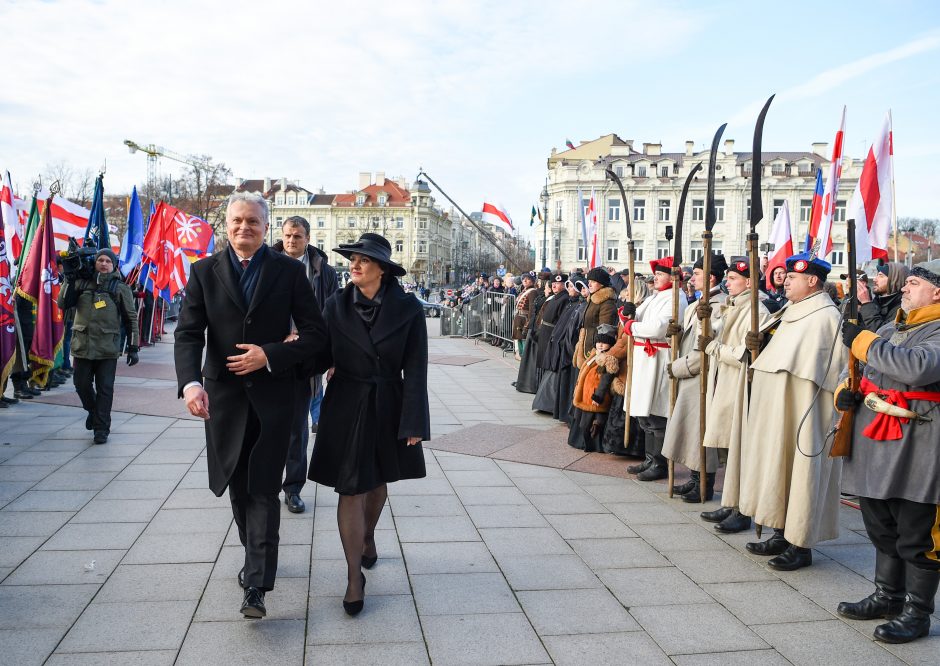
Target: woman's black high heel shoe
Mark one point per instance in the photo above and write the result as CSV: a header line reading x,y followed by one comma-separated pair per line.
x,y
355,607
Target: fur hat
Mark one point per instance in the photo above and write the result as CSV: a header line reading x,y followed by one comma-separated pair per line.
x,y
600,276
606,333
717,267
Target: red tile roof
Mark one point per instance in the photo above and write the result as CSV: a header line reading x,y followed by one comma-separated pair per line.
x,y
397,195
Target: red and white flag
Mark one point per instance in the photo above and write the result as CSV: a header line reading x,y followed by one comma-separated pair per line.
x,y
13,225
68,220
496,213
782,243
871,204
822,238
590,215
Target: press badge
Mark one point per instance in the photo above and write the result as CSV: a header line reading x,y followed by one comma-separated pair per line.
x,y
100,304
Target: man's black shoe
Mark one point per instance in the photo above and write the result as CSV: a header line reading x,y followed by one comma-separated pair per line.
x,y
914,620
791,559
715,516
22,394
241,578
688,486
253,605
89,425
734,523
33,390
8,401
775,545
294,503
655,472
100,437
642,467
873,607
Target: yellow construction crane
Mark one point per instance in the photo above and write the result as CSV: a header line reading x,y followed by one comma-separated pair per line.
x,y
153,153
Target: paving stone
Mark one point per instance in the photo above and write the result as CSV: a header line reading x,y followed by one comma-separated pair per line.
x,y
652,587
121,490
679,537
746,658
95,536
646,513
86,464
602,649
65,567
32,523
554,612
70,481
462,594
196,498
23,473
421,487
148,658
28,647
326,520
495,495
141,472
566,504
426,505
51,500
832,642
436,528
178,521
113,450
495,515
328,578
590,526
460,557
267,641
859,558
31,457
117,511
561,485
175,548
766,602
478,478
547,572
453,463
74,445
718,566
168,456
15,549
144,625
27,606
503,638
327,545
155,582
384,619
524,541
221,601
387,654
705,628
617,553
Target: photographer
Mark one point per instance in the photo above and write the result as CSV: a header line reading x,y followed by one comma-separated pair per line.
x,y
101,301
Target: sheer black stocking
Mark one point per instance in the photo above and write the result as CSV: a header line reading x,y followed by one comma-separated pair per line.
x,y
351,518
374,503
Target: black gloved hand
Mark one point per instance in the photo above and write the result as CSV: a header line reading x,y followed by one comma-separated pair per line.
x,y
703,312
673,329
850,331
595,428
629,309
847,400
752,341
597,398
132,358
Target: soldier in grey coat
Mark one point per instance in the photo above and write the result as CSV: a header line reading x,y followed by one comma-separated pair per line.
x,y
894,467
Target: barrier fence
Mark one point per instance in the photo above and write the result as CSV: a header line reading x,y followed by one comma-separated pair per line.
x,y
487,316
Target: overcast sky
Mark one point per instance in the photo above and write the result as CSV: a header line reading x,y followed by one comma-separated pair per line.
x,y
476,93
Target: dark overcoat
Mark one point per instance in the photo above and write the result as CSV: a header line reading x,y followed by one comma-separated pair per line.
x,y
377,397
214,316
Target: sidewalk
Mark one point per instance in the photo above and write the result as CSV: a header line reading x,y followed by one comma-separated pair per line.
x,y
118,554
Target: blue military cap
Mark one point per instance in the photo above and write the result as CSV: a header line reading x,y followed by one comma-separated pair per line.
x,y
807,262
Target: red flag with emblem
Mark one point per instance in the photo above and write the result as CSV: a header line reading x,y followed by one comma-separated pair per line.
x,y
162,250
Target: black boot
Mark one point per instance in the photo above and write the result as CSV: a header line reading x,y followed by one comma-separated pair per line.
x,y
658,470
717,515
775,545
688,486
642,467
793,558
734,523
21,390
887,601
694,495
914,620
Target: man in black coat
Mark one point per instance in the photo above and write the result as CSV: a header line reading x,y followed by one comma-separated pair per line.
x,y
873,313
243,300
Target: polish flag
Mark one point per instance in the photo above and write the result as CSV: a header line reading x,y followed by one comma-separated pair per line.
x,y
871,203
496,213
782,243
822,238
13,227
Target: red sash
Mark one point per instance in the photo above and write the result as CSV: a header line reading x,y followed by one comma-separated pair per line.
x,y
886,427
650,347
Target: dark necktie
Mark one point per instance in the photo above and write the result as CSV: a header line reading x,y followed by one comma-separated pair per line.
x,y
245,263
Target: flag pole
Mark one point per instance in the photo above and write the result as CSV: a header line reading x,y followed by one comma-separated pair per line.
x,y
894,211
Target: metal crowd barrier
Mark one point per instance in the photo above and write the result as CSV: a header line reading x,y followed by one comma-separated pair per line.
x,y
487,316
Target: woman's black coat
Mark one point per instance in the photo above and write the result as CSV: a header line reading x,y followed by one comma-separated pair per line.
x,y
377,397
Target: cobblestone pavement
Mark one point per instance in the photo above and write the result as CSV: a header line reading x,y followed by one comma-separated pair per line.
x,y
524,552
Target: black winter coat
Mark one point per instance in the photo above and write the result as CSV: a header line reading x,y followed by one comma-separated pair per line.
x,y
551,311
214,316
879,311
565,334
377,397
324,284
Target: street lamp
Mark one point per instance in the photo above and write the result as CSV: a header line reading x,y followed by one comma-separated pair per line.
x,y
544,199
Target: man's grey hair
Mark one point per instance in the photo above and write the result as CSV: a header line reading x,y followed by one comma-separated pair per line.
x,y
254,198
299,222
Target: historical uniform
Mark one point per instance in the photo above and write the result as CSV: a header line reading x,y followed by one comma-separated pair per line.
x,y
788,480
894,467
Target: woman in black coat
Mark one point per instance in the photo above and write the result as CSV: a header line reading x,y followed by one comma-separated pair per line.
x,y
375,410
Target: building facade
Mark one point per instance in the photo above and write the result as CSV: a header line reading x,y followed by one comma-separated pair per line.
x,y
653,180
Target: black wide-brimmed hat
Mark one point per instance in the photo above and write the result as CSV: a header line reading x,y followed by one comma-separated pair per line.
x,y
375,247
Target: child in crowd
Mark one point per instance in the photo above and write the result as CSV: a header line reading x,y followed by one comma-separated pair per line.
x,y
592,392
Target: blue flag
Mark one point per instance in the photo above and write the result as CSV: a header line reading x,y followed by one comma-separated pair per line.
x,y
96,233
132,248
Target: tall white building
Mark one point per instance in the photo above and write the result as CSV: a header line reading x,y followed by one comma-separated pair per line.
x,y
653,183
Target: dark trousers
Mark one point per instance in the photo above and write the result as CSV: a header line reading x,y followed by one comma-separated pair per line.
x,y
295,474
24,317
654,429
94,383
257,516
905,529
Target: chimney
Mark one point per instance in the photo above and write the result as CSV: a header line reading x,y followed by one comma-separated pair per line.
x,y
283,183
379,177
652,148
729,147
266,187
689,148
365,179
820,149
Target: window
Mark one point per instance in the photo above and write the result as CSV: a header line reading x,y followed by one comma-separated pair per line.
x,y
747,169
837,258
838,215
399,246
351,222
321,245
695,251
291,200
382,199
719,210
664,210
619,171
422,246
698,210
778,204
675,169
279,199
278,220
321,222
662,249
806,209
422,223
641,171
638,254
558,207
399,223
613,251
639,210
556,251
748,207
777,169
613,210
581,253
716,247
360,199
664,171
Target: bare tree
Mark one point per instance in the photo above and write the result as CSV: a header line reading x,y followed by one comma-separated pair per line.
x,y
76,184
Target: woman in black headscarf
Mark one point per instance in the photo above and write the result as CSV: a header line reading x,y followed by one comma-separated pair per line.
x,y
375,410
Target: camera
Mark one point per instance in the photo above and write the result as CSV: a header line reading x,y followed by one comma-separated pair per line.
x,y
78,262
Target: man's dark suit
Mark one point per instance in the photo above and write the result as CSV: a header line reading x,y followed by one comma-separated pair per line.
x,y
251,415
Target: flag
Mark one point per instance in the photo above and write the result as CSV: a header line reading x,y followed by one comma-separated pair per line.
x,y
13,226
582,218
591,223
97,233
39,283
782,243
815,212
496,213
32,223
169,268
536,215
133,245
194,234
871,201
569,144
7,316
69,220
821,235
